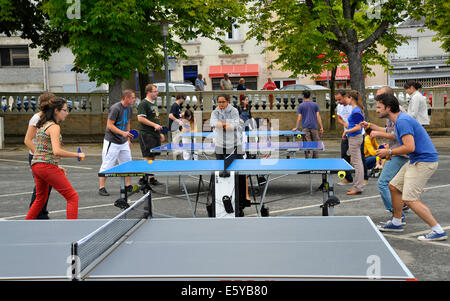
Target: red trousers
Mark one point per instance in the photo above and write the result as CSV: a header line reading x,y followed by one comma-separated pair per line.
x,y
48,174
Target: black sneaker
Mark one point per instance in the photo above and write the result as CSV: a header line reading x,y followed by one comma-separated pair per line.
x,y
121,203
142,182
103,192
154,182
42,217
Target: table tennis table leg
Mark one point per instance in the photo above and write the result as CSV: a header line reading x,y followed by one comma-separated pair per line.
x,y
123,191
187,196
263,195
324,194
327,192
330,193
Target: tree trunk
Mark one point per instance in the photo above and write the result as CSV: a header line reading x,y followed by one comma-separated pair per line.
x,y
332,100
115,91
357,76
143,81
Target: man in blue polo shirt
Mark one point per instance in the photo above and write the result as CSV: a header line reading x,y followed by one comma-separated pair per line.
x,y
409,182
308,114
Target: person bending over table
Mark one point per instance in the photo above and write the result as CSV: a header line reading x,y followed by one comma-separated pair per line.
x,y
226,124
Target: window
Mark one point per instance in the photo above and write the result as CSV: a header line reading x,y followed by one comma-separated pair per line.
x,y
14,56
233,32
408,50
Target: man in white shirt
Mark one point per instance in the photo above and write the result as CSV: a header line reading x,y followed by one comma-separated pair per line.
x,y
417,107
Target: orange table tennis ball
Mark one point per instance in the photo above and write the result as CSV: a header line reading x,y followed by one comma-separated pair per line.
x,y
150,161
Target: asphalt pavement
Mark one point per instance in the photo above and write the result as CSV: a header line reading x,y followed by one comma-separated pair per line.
x,y
288,195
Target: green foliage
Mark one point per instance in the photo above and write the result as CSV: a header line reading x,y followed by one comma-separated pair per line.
x,y
112,38
300,31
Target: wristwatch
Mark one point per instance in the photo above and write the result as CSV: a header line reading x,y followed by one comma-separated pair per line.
x,y
390,152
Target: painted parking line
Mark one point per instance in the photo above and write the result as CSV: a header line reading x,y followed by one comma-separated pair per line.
x,y
94,206
68,166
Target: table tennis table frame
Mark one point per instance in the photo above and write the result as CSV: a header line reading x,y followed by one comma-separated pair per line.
x,y
326,186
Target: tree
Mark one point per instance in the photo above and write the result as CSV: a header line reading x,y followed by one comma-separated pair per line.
x,y
302,30
26,19
113,38
436,14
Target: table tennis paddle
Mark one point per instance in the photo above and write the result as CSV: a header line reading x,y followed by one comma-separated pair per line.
x,y
135,133
164,130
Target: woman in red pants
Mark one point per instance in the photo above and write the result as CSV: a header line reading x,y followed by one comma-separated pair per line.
x,y
45,160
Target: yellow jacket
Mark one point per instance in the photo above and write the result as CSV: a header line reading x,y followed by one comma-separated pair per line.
x,y
370,146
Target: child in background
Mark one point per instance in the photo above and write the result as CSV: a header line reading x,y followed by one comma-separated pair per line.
x,y
188,127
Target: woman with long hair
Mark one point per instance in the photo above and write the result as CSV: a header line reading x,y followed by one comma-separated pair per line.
x,y
244,110
46,157
355,138
188,127
30,142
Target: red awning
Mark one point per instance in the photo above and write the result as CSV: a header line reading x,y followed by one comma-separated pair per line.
x,y
233,70
341,74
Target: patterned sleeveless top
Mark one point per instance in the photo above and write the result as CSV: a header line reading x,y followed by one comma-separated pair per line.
x,y
44,151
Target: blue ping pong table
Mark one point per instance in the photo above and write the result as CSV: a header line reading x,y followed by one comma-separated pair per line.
x,y
326,167
136,246
268,134
251,147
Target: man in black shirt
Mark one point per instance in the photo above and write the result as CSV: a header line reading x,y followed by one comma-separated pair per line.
x,y
175,122
149,126
175,114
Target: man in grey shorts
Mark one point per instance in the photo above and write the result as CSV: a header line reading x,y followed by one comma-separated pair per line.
x,y
406,187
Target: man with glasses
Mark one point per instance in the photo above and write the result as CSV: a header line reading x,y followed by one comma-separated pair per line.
x,y
149,127
116,144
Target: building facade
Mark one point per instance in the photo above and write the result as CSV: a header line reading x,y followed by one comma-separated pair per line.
x,y
421,59
22,71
